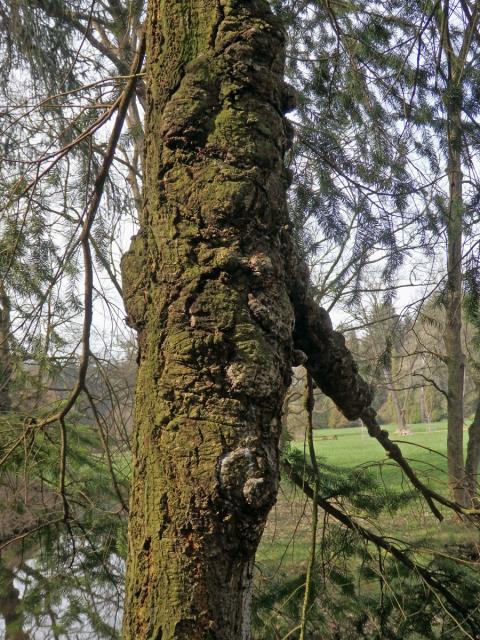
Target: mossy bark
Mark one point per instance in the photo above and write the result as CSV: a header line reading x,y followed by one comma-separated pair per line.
x,y
205,286
214,288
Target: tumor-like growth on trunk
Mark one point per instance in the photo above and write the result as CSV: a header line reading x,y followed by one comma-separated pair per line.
x,y
206,287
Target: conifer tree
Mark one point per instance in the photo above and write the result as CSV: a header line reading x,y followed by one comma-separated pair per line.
x,y
213,282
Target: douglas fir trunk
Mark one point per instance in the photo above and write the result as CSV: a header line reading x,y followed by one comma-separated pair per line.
x,y
212,285
204,284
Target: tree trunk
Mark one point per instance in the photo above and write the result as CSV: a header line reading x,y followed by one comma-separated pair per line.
x,y
473,456
10,605
453,309
5,356
400,413
401,422
205,287
425,415
214,288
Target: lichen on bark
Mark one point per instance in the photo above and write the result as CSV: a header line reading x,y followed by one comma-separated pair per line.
x,y
205,286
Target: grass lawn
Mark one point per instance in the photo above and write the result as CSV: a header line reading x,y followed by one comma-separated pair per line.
x,y
340,567
425,448
285,542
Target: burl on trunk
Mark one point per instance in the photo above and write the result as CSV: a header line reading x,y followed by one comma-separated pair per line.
x,y
205,286
212,285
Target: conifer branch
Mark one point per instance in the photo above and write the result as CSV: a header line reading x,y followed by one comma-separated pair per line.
x,y
379,541
84,240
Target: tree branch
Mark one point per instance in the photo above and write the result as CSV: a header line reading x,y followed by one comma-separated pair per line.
x,y
377,540
334,370
432,382
84,240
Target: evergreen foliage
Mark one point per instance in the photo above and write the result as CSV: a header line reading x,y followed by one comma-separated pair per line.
x,y
359,590
369,164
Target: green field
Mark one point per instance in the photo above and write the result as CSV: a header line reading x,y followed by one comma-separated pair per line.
x,y
346,589
285,542
425,448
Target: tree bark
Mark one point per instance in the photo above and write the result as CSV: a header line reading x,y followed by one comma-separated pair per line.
x,y
329,361
205,286
473,457
453,308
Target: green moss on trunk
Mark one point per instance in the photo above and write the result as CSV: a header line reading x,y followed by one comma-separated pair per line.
x,y
204,285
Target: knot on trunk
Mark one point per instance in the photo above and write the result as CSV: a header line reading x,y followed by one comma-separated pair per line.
x,y
187,118
248,478
134,266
